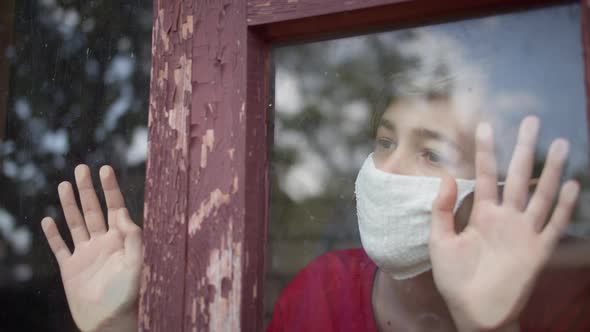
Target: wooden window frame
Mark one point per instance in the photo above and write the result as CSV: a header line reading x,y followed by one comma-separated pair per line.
x,y
210,132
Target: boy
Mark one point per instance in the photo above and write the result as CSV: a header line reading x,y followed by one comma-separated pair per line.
x,y
476,275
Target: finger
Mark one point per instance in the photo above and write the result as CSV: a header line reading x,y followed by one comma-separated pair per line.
x,y
486,188
90,205
442,210
562,213
56,243
548,186
112,193
72,213
132,234
521,165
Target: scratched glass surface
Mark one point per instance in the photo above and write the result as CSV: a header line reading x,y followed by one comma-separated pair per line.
x,y
329,94
74,88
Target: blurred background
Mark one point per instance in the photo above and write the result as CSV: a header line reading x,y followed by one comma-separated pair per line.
x,y
74,88
329,94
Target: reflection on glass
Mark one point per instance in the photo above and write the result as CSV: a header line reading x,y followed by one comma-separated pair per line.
x,y
423,91
77,78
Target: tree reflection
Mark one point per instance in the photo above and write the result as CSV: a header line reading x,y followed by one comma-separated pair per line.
x,y
328,94
79,90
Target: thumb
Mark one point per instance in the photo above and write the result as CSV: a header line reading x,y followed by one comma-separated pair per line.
x,y
443,220
132,234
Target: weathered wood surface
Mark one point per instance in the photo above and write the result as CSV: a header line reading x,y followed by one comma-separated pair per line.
x,y
288,21
167,173
206,186
271,11
228,185
259,136
217,126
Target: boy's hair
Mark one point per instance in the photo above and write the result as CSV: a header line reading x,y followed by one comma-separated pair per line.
x,y
434,86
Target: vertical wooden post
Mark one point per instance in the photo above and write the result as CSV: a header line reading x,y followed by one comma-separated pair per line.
x,y
6,28
167,171
259,136
228,167
206,182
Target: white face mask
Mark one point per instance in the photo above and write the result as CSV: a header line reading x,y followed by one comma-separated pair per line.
x,y
394,215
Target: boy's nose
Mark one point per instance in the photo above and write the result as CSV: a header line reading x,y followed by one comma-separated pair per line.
x,y
398,162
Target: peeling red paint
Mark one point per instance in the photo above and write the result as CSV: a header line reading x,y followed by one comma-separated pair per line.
x,y
217,167
163,75
207,146
226,285
162,31
166,184
224,275
188,27
208,208
179,114
235,185
145,280
194,311
242,112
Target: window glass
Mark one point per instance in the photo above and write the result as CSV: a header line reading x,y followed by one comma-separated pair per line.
x,y
432,85
74,80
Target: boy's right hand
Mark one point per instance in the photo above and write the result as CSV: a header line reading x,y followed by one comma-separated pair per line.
x,y
101,277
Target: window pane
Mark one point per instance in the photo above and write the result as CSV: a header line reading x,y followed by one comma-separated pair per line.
x,y
413,98
77,78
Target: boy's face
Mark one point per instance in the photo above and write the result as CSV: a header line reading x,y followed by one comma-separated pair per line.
x,y
426,138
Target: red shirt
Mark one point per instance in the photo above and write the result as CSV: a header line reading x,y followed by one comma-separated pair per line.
x,y
333,293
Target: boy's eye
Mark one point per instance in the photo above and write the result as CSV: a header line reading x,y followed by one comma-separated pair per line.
x,y
385,143
432,156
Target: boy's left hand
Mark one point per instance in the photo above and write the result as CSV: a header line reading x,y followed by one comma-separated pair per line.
x,y
486,273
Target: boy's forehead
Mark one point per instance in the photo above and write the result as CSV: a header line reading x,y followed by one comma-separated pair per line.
x,y
433,115
423,112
